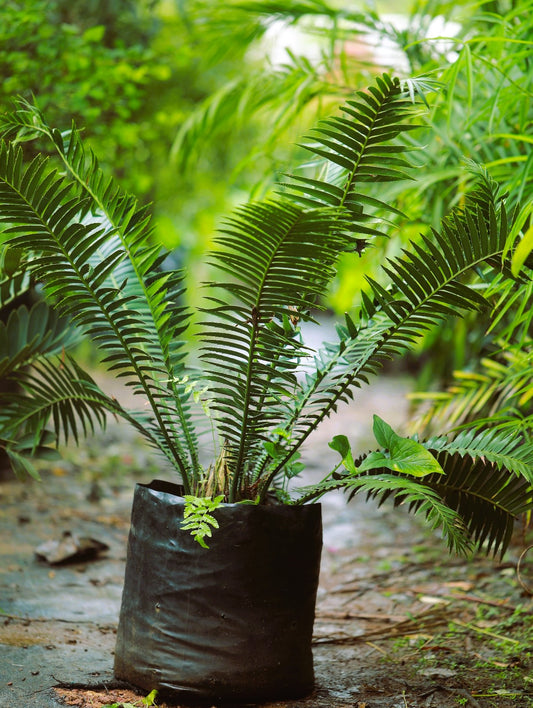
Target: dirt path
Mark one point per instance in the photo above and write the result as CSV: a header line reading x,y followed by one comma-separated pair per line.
x,y
399,623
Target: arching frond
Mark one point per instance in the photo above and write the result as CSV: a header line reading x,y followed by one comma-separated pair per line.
x,y
493,446
29,334
362,150
91,247
488,481
426,285
57,392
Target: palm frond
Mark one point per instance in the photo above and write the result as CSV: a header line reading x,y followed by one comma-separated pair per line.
x,y
283,259
487,481
57,392
486,499
25,450
493,447
427,284
29,334
418,496
86,235
362,149
14,278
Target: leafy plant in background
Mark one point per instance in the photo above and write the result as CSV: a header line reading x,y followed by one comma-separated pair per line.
x,y
98,64
131,71
265,392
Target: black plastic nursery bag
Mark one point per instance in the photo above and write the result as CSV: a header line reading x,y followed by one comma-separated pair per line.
x,y
230,623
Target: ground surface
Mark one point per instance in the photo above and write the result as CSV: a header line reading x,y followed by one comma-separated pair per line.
x,y
399,623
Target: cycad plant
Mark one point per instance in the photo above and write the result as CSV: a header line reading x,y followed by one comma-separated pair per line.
x,y
262,391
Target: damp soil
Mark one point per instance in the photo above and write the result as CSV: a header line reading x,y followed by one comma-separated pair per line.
x,y
399,623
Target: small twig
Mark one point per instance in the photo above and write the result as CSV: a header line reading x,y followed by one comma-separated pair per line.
x,y
334,616
20,618
500,604
411,625
484,631
113,684
519,574
377,648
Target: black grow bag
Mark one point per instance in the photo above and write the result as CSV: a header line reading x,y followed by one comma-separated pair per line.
x,y
231,623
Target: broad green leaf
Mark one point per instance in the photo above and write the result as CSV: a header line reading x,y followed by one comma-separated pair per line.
x,y
341,445
405,455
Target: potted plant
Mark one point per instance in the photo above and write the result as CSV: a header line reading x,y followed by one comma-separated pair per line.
x,y
234,622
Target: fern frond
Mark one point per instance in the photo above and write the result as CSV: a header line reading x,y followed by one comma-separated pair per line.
x,y
488,482
493,447
57,393
418,496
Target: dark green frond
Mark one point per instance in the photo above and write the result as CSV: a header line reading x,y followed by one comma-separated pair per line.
x,y
426,285
32,333
91,247
486,497
283,259
421,499
493,447
59,392
361,146
488,482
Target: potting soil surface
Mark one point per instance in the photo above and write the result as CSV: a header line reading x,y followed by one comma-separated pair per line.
x,y
399,623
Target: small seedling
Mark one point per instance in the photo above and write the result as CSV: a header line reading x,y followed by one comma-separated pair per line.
x,y
148,701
